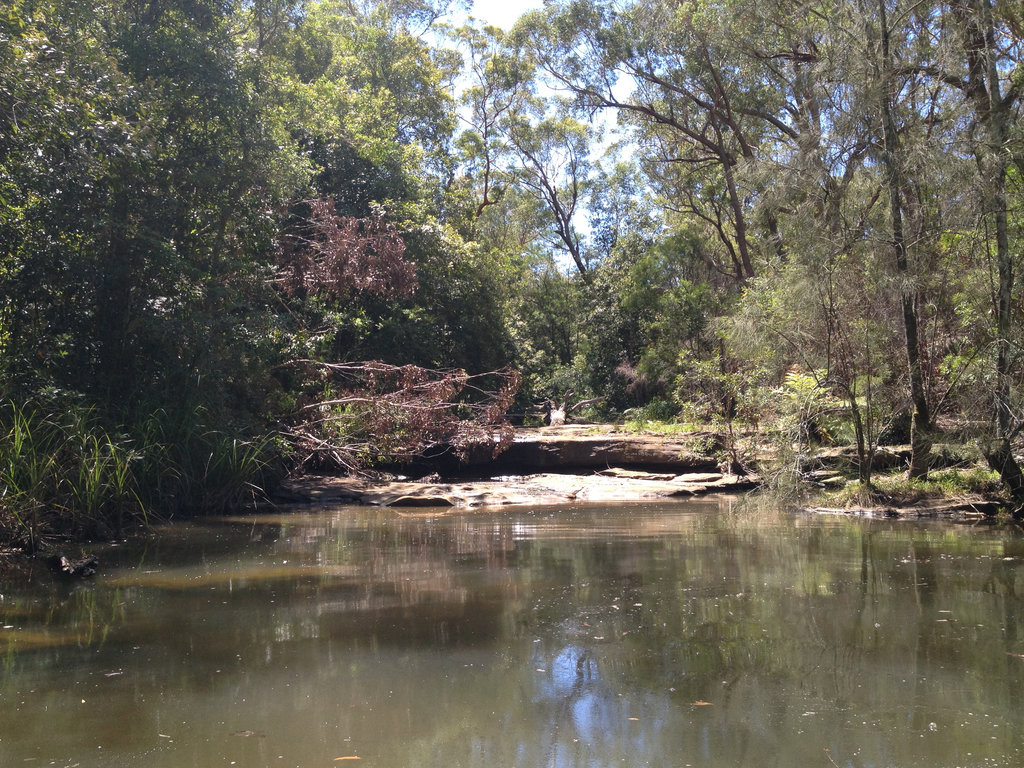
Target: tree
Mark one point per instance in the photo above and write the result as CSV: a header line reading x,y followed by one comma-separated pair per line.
x,y
988,69
554,154
191,193
700,119
497,91
377,122
514,137
894,163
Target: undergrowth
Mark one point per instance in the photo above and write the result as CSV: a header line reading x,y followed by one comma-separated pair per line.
x,y
661,427
898,489
638,422
65,474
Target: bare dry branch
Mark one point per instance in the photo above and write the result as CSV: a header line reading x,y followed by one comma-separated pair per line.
x,y
377,412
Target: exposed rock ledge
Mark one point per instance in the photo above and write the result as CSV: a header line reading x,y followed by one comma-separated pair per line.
x,y
579,463
609,485
582,447
607,466
967,508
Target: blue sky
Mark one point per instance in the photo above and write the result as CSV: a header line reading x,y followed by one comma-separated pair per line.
x,y
503,13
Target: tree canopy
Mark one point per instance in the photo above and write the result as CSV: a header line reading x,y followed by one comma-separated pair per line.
x,y
681,209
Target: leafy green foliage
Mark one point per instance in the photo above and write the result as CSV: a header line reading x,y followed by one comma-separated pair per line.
x,y
60,473
196,195
160,261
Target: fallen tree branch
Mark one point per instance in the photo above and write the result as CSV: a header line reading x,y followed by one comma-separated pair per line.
x,y
375,412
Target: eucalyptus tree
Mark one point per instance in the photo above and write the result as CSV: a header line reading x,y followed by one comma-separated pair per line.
x,y
553,154
982,57
702,109
497,89
516,136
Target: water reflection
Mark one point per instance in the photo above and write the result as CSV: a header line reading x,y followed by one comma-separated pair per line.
x,y
660,635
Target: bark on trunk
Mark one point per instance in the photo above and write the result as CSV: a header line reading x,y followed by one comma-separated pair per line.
x,y
1001,459
920,428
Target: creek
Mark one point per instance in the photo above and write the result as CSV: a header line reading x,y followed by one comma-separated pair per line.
x,y
706,632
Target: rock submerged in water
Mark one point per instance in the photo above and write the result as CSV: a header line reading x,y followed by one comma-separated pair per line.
x,y
426,500
82,568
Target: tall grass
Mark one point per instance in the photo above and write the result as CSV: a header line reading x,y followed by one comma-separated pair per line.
x,y
26,470
63,474
189,468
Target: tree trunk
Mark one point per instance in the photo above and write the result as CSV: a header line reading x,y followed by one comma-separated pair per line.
x,y
1001,459
993,111
863,453
740,221
920,428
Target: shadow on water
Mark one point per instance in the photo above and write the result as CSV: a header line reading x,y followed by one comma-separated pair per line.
x,y
670,634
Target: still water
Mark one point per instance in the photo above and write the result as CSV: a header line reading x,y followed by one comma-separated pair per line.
x,y
680,634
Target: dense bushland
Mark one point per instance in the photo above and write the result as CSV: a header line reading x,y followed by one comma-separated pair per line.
x,y
802,218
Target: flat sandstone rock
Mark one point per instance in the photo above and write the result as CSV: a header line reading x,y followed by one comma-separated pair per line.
x,y
606,466
528,489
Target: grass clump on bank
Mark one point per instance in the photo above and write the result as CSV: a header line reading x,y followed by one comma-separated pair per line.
x,y
65,475
657,427
896,489
61,474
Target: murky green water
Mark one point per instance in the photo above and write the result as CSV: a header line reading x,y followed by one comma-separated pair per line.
x,y
683,634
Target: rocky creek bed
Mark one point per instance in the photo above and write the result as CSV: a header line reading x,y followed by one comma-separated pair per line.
x,y
545,466
543,488
579,463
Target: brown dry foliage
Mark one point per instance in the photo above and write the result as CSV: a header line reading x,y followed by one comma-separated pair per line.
x,y
396,413
324,253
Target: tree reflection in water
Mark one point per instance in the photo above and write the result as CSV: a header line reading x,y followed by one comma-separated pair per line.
x,y
655,635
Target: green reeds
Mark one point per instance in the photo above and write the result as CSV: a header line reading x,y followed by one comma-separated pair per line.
x,y
62,473
237,471
101,493
187,468
26,474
